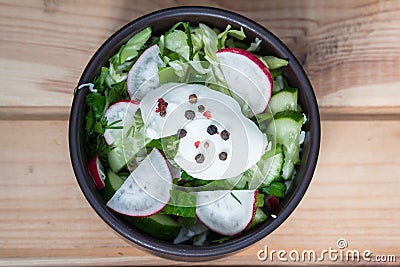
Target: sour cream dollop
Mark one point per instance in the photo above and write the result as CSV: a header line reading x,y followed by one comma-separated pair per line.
x,y
207,117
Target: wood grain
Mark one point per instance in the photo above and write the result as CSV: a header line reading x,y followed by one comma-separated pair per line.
x,y
351,52
350,49
45,220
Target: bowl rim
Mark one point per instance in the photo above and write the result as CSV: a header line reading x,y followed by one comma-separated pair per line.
x,y
76,139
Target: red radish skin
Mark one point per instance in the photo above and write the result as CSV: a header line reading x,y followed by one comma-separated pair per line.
x,y
255,104
251,57
254,207
96,169
110,135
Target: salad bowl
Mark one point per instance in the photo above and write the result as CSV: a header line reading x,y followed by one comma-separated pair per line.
x,y
160,22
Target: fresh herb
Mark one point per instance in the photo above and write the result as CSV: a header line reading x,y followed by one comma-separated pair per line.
x,y
117,92
235,197
222,239
277,189
169,145
186,177
99,81
181,204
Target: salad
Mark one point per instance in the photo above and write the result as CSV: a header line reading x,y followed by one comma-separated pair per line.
x,y
193,136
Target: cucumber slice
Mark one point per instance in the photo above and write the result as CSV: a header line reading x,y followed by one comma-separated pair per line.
x,y
112,183
158,225
285,129
284,100
259,217
272,165
287,169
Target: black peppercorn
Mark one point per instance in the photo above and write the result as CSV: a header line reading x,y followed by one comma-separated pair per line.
x,y
181,133
212,129
222,156
189,114
199,158
193,98
201,108
225,135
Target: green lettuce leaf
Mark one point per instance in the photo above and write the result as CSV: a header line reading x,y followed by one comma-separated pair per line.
x,y
240,35
134,45
210,41
254,46
176,42
120,63
273,62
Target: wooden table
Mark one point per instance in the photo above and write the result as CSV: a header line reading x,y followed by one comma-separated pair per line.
x,y
351,52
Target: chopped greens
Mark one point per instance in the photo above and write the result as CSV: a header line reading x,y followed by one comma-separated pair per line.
x,y
181,204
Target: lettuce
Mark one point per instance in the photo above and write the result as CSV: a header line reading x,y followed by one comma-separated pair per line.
x,y
254,46
210,42
176,42
120,63
273,62
240,35
134,45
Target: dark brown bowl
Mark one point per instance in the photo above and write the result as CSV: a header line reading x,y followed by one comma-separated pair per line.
x,y
160,22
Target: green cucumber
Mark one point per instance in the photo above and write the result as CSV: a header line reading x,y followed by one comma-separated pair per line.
x,y
112,183
285,129
287,169
284,100
158,225
258,218
272,165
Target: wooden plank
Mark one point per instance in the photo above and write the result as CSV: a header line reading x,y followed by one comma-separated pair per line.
x,y
45,220
332,113
350,49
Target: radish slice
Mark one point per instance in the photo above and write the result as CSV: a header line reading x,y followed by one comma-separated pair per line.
x,y
122,111
143,75
175,172
247,77
226,212
146,191
96,169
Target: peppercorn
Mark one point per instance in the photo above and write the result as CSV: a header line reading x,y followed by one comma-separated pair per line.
x,y
189,114
212,129
181,133
193,98
201,108
207,114
162,105
222,156
225,135
199,158
206,145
